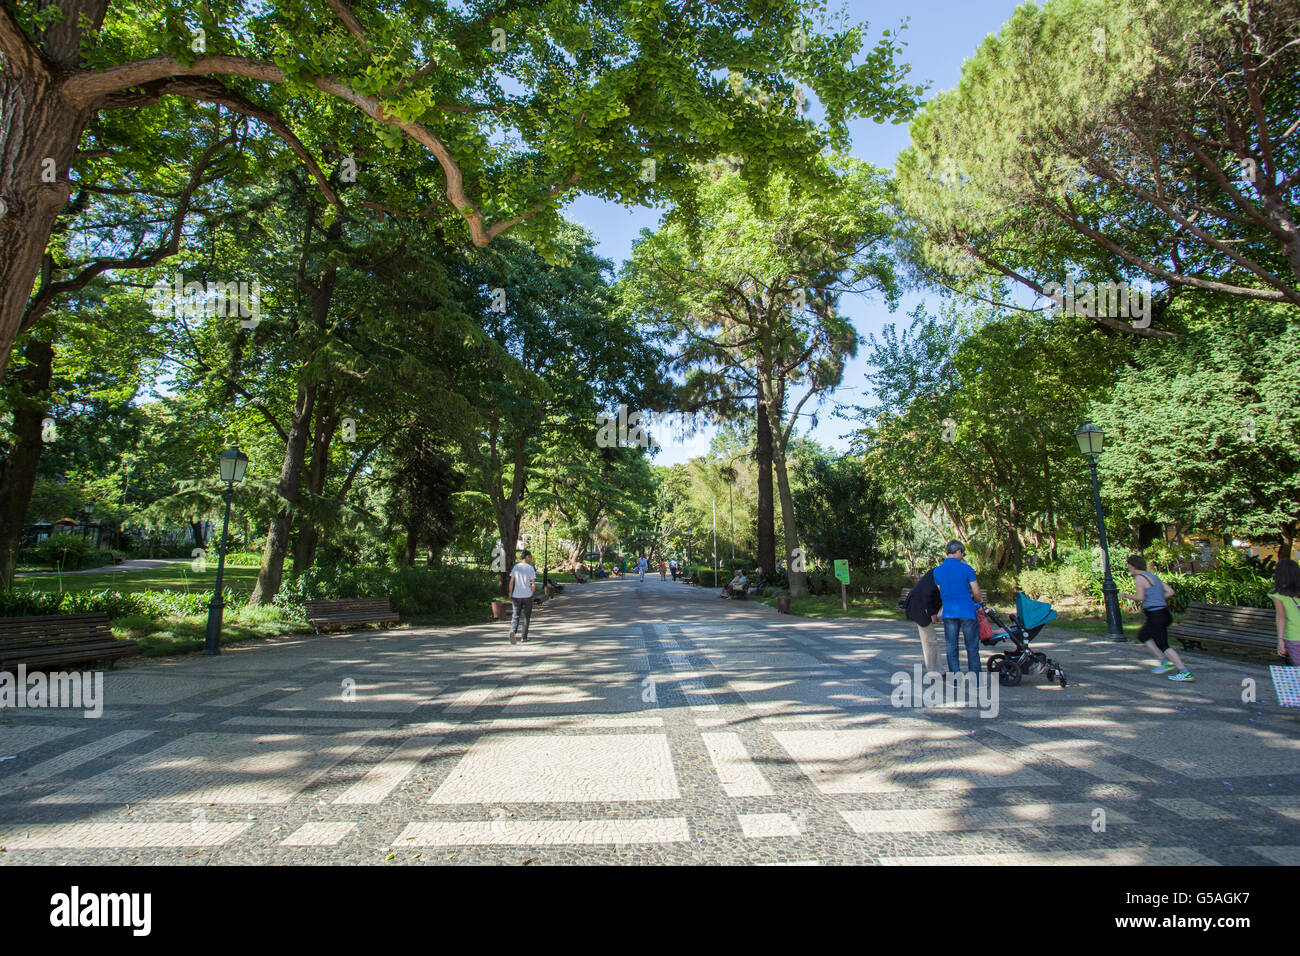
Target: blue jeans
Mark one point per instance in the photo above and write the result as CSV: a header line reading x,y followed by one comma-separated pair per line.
x,y
970,632
522,607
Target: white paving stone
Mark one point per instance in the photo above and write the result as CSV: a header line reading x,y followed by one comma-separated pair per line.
x,y
759,825
217,768
563,769
110,835
544,832
319,833
737,771
900,755
383,779
1193,809
962,819
1134,856
70,759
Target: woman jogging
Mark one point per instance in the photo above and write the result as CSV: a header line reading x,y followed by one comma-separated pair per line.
x,y
1153,594
1286,599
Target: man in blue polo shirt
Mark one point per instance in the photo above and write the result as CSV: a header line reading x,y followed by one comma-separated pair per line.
x,y
960,594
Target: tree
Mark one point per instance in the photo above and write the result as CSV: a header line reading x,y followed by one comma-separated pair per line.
x,y
1202,431
975,415
843,512
517,108
749,290
1117,140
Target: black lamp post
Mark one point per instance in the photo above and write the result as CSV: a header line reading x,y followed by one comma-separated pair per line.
x,y
233,463
1090,439
546,550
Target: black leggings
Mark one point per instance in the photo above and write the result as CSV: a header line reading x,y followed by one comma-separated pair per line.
x,y
1156,627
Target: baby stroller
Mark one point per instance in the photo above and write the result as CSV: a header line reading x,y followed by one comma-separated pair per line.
x,y
1030,618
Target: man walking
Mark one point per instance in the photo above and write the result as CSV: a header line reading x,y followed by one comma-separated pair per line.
x,y
922,608
641,565
959,592
523,580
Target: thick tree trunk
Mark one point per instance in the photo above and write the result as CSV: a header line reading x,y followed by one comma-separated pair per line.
x,y
308,536
790,530
39,132
764,507
508,522
19,475
271,574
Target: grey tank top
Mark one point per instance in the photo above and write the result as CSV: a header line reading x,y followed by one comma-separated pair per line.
x,y
1154,597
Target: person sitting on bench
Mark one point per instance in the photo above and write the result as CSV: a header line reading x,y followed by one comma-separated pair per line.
x,y
737,587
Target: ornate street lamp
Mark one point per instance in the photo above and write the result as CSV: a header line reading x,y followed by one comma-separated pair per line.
x,y
232,464
1091,441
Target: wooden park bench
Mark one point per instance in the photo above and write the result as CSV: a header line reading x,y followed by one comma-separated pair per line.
x,y
350,611
692,578
902,598
1249,627
57,639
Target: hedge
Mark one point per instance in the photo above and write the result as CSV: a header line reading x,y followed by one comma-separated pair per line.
x,y
412,591
113,603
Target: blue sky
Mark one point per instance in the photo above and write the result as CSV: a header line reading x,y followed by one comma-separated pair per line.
x,y
940,35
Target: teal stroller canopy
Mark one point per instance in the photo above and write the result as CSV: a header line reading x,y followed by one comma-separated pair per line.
x,y
1033,613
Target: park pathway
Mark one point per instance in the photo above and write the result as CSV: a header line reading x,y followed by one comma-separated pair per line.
x,y
648,723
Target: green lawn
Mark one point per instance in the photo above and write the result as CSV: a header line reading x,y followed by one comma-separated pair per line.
x,y
173,577
828,605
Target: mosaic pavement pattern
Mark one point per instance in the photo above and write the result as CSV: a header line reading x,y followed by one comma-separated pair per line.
x,y
649,723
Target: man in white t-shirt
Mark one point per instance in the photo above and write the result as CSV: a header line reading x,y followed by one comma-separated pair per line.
x,y
641,565
523,579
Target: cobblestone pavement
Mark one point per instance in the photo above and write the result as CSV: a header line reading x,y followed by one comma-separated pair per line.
x,y
649,723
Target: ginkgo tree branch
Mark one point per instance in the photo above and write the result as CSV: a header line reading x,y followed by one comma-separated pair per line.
x,y
49,291
92,87
208,90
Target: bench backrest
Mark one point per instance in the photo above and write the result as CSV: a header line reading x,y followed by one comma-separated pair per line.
x,y
53,629
349,606
1230,617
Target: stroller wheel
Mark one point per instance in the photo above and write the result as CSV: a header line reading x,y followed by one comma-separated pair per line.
x,y
995,663
1009,673
1061,674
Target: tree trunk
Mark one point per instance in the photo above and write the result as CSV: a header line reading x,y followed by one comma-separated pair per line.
x,y
271,573
508,520
39,132
798,579
412,542
19,476
765,506
308,536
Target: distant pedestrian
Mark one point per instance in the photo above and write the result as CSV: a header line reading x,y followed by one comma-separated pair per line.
x,y
1153,594
923,608
960,593
1286,600
672,566
641,566
663,570
523,581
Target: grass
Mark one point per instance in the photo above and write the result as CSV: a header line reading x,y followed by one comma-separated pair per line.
x,y
828,606
166,637
173,577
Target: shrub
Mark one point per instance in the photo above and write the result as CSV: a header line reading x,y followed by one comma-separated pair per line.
x,y
412,591
116,604
70,552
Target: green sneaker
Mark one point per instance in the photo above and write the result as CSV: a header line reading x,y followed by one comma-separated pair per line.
x,y
1182,675
1164,668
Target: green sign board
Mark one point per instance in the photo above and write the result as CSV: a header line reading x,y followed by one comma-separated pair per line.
x,y
842,569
